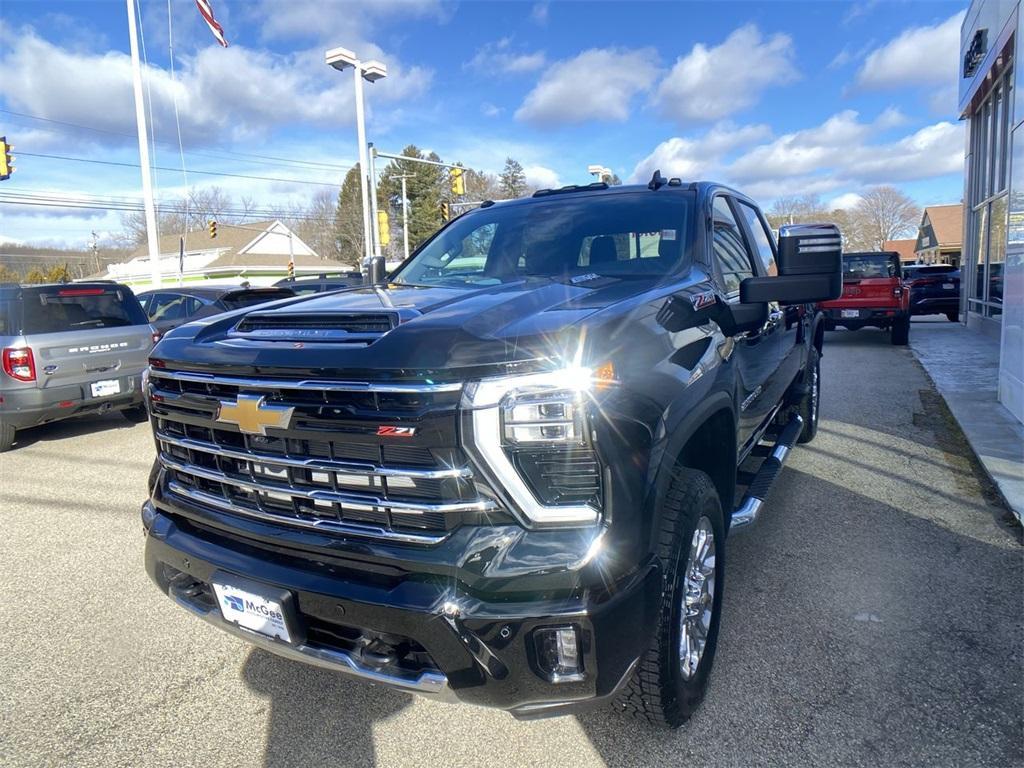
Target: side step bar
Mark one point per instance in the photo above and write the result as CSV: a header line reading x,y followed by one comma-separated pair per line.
x,y
747,512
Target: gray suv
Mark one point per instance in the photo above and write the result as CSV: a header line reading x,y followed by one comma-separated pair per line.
x,y
70,349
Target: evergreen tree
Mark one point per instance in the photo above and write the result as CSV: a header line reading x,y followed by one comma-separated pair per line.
x,y
348,221
425,188
512,181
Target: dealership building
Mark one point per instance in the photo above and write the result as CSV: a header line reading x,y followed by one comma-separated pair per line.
x,y
992,298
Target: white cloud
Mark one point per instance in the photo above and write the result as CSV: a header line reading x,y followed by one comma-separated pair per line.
x,y
711,83
844,202
499,57
920,56
539,13
490,110
693,158
221,93
598,84
541,177
844,150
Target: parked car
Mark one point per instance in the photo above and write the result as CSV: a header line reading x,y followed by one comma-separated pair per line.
x,y
70,349
506,476
325,281
168,308
873,295
934,289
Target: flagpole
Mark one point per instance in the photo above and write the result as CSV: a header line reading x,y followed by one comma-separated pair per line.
x,y
140,120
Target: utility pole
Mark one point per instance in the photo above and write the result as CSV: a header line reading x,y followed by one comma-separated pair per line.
x,y
140,122
405,214
94,246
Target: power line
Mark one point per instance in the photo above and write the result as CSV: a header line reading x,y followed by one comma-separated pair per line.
x,y
175,170
220,153
130,207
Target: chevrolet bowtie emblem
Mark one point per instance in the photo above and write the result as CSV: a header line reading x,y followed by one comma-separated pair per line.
x,y
252,415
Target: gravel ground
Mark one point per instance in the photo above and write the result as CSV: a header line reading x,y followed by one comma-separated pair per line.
x,y
873,618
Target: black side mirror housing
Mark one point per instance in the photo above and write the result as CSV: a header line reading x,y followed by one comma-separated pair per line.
x,y
810,268
694,309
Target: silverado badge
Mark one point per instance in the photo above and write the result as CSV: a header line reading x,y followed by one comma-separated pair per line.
x,y
251,414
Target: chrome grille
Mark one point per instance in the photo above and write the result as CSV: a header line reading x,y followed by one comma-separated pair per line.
x,y
329,470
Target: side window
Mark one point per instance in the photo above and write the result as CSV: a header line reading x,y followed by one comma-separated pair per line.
x,y
167,306
762,239
729,248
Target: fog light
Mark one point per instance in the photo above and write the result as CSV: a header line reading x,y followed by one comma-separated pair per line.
x,y
558,654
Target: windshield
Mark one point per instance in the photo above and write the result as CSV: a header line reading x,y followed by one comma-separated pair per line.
x,y
73,308
624,235
862,266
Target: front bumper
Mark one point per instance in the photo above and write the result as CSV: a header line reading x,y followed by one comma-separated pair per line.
x,y
470,647
934,305
31,406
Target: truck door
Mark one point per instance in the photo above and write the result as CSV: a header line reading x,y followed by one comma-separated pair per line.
x,y
757,353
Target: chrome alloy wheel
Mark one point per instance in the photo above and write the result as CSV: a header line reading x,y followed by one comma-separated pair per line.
x,y
698,598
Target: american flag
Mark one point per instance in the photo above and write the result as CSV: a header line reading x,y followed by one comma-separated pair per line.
x,y
207,11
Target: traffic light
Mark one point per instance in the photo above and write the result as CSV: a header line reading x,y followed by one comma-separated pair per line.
x,y
291,269
458,182
384,227
213,228
446,211
6,161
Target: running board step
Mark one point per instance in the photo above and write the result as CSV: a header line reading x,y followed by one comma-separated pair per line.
x,y
748,511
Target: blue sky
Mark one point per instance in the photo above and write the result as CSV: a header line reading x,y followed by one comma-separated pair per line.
x,y
777,98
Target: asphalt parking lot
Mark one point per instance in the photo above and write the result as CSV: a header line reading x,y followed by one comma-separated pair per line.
x,y
875,617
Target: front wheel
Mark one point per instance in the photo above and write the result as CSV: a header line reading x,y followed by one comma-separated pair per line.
x,y
901,331
672,677
811,401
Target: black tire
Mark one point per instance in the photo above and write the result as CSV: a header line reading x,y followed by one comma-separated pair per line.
x,y
901,332
953,317
6,436
658,692
136,414
810,403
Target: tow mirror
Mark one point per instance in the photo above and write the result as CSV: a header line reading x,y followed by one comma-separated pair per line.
x,y
810,268
689,310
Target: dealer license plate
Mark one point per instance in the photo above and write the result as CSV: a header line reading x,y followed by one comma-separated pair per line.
x,y
106,388
851,313
252,611
947,286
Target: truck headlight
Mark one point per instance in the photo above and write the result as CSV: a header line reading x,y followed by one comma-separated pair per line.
x,y
531,432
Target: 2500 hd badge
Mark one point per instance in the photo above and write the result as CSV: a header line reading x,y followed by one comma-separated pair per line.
x,y
508,474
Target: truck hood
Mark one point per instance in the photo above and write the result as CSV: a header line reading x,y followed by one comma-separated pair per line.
x,y
435,329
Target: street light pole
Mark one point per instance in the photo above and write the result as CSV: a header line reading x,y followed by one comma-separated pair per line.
x,y
364,169
378,255
371,71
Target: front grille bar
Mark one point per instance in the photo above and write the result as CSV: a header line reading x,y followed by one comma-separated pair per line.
x,y
325,525
325,465
351,501
308,385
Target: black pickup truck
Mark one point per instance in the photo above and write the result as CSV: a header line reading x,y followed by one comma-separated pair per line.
x,y
505,475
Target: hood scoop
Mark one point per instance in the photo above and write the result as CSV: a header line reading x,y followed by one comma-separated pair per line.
x,y
339,327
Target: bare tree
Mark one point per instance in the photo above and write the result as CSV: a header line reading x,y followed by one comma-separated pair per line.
x,y
797,209
883,213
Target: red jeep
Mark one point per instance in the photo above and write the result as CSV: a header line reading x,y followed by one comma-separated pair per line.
x,y
873,294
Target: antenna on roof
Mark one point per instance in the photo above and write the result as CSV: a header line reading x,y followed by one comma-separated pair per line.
x,y
657,181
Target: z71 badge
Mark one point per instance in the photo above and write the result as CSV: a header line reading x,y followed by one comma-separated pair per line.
x,y
383,431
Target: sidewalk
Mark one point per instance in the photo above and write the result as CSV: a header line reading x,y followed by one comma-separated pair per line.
x,y
964,365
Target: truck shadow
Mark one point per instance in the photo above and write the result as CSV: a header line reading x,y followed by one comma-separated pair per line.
x,y
318,717
73,427
853,630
